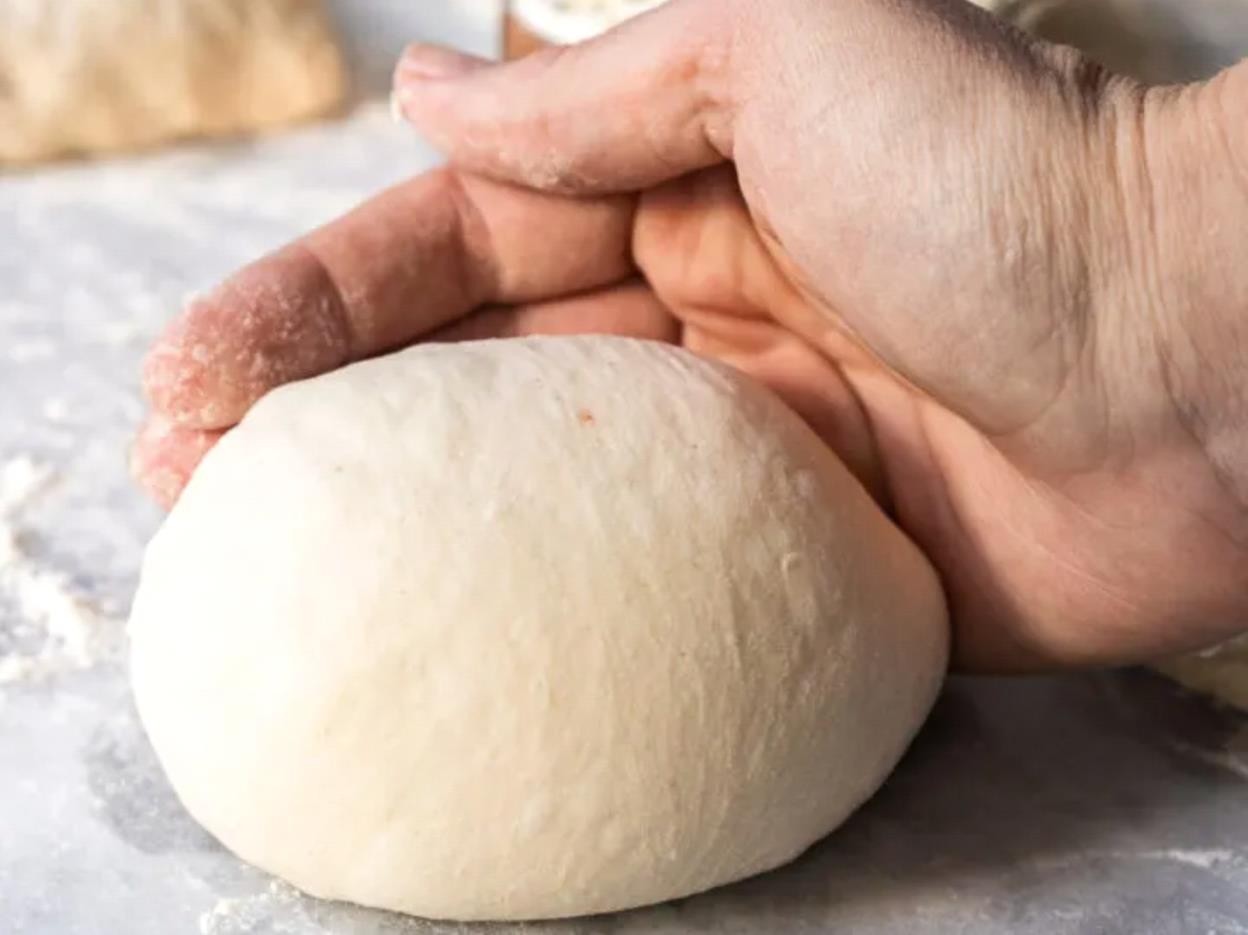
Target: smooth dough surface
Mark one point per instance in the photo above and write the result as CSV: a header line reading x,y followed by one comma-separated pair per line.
x,y
529,628
90,76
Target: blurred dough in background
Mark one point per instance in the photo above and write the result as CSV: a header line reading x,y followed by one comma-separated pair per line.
x,y
94,76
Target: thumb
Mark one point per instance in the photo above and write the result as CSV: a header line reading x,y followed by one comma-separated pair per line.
x,y
647,102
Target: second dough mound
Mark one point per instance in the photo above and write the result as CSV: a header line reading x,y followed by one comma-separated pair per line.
x,y
95,76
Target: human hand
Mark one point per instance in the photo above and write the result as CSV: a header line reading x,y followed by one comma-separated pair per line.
x,y
928,252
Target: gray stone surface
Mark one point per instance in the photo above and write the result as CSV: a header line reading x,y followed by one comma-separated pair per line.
x,y
1083,804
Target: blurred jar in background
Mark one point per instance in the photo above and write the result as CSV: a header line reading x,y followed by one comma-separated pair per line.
x,y
1154,41
532,24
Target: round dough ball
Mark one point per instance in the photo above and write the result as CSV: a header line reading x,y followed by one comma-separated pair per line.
x,y
528,629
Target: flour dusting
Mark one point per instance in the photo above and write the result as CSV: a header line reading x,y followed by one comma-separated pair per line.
x,y
257,913
22,479
1203,859
56,628
1231,759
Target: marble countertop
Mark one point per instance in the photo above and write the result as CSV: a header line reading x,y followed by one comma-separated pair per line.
x,y
1098,803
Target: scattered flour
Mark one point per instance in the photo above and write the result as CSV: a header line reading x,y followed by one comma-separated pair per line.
x,y
55,629
123,333
1233,758
22,479
1204,859
22,352
55,409
258,913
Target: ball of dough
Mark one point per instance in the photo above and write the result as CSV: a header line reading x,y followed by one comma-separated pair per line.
x,y
529,629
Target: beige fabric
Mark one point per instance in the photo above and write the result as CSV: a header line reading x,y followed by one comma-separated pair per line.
x,y
529,628
89,76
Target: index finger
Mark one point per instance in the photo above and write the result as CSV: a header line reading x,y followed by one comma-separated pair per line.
x,y
404,263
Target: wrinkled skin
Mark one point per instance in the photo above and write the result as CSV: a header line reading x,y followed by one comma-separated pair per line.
x,y
1000,283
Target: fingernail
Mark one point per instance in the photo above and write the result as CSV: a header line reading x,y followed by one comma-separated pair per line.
x,y
435,63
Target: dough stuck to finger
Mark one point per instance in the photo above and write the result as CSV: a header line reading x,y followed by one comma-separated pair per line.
x,y
529,628
95,76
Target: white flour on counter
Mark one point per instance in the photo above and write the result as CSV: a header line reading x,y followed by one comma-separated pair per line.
x,y
22,479
242,914
1201,859
56,629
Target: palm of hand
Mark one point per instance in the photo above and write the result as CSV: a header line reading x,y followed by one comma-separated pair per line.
x,y
935,267
1045,511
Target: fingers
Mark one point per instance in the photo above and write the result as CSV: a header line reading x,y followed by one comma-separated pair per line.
x,y
403,264
647,102
631,310
164,456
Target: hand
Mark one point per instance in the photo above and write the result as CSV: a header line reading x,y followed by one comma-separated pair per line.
x,y
914,225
